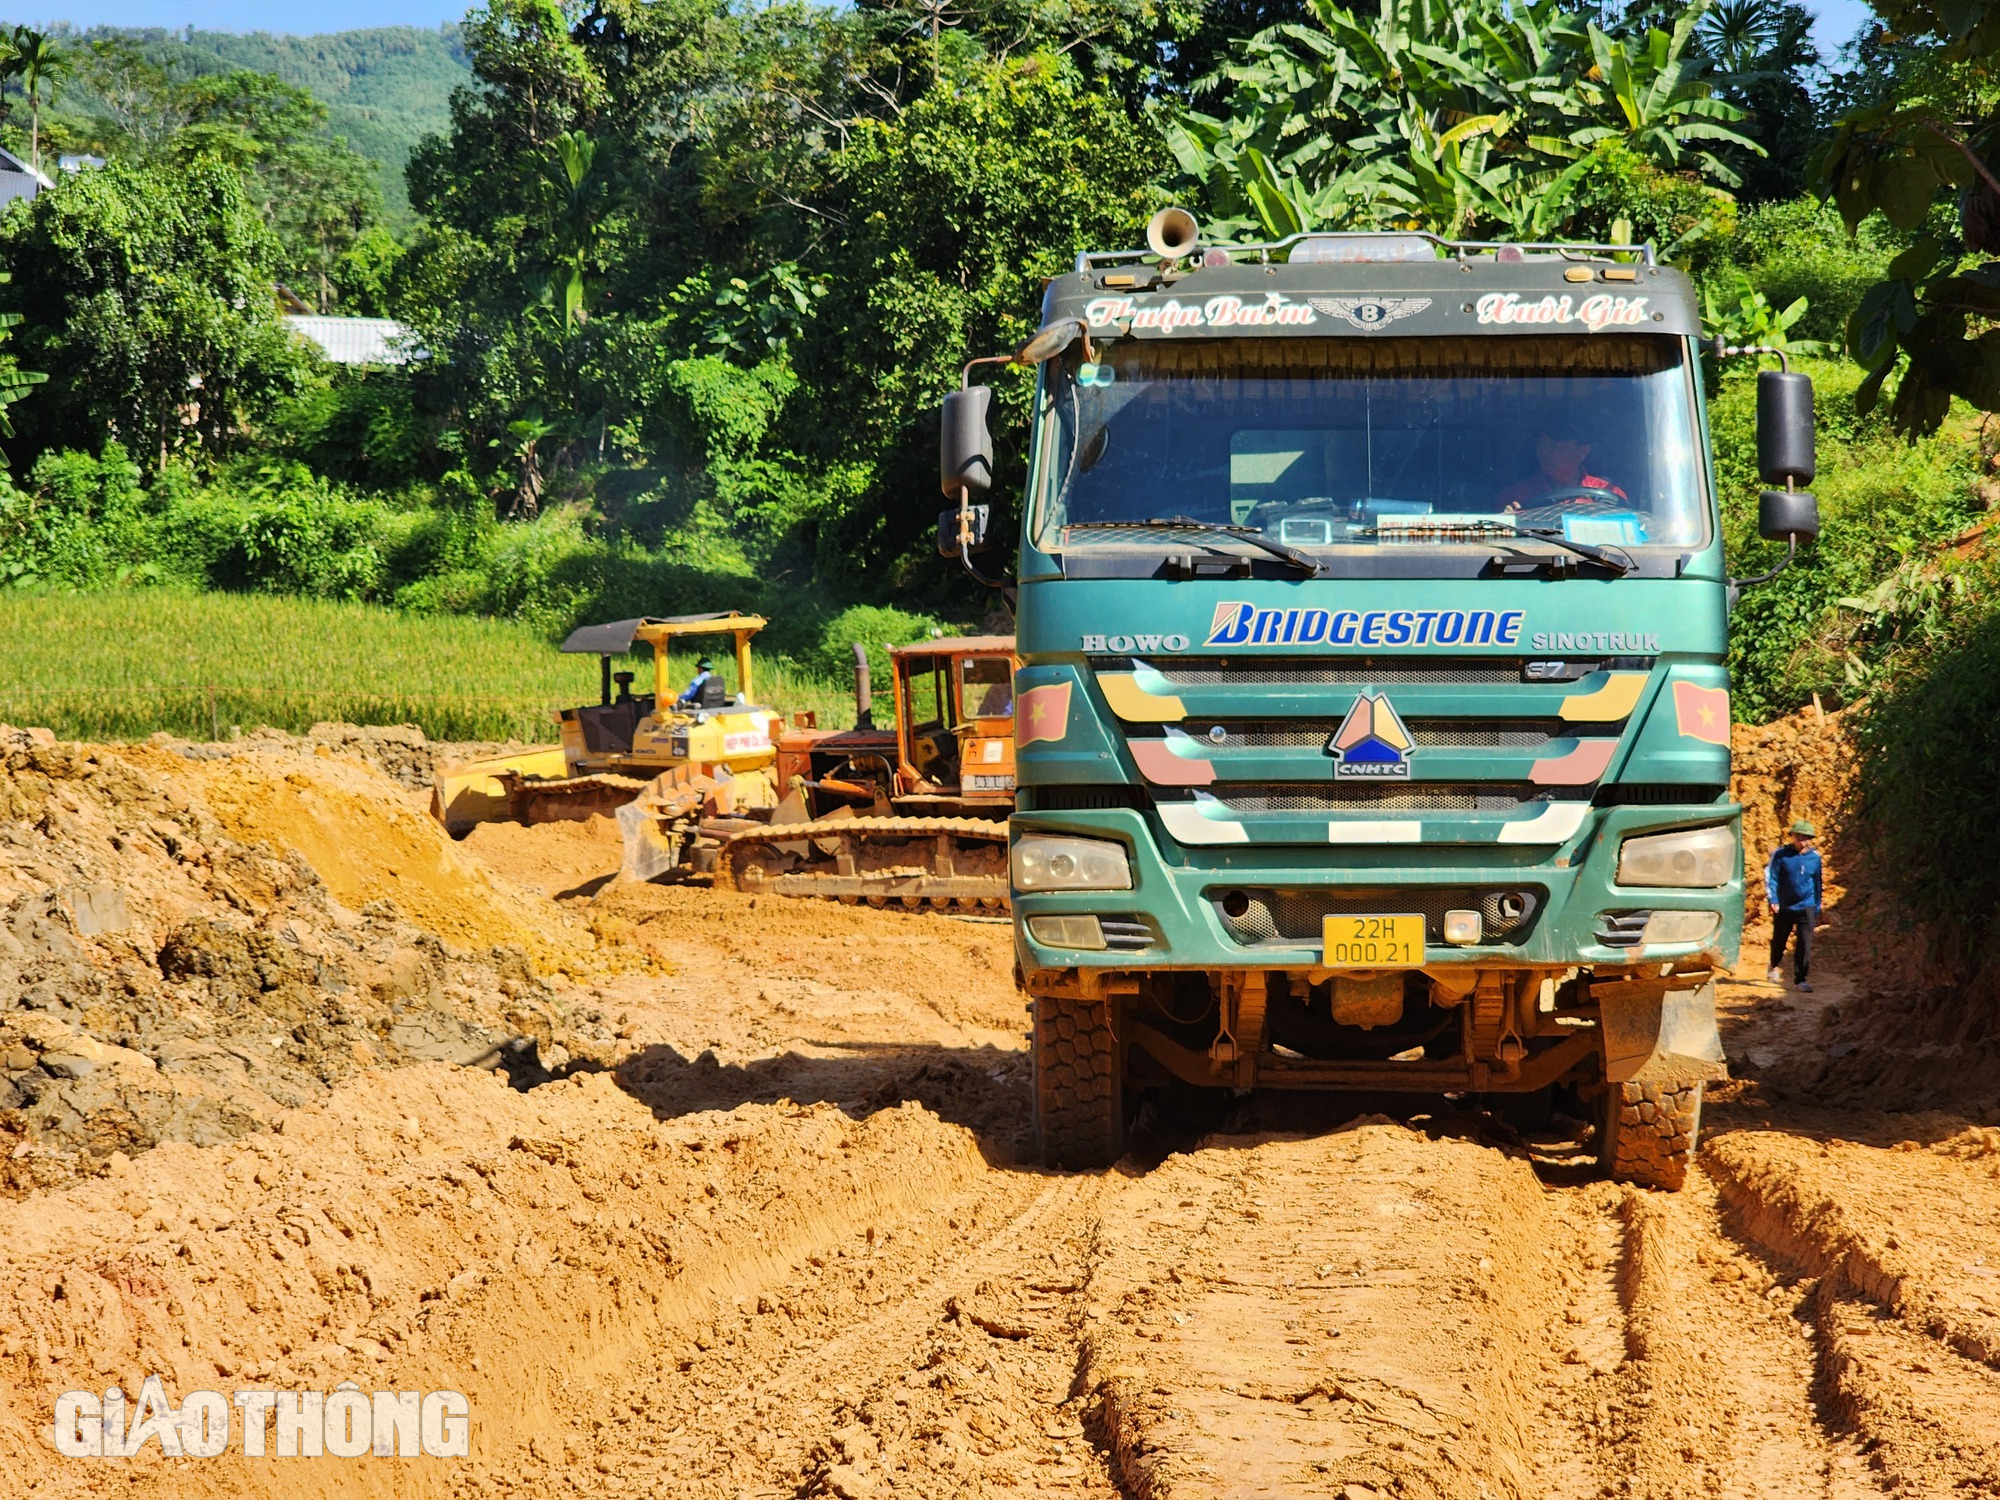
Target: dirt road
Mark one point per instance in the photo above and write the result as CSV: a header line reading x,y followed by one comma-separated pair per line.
x,y
755,1219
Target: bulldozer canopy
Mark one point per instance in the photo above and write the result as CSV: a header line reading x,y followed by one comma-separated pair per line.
x,y
616,638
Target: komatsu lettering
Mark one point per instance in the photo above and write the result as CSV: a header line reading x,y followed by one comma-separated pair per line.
x,y
1239,624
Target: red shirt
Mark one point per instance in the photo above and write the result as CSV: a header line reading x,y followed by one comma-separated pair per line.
x,y
1516,496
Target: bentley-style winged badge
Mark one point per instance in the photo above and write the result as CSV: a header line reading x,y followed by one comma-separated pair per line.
x,y
1369,312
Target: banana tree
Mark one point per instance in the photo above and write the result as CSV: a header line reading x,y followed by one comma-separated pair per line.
x,y
1439,114
1662,105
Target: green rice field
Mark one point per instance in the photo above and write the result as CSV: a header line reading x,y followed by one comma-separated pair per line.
x,y
128,663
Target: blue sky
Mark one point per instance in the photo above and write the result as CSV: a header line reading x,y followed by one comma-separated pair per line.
x,y
1837,22
299,17
1838,19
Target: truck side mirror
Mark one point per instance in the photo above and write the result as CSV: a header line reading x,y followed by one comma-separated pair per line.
x,y
1787,516
965,443
947,537
1785,428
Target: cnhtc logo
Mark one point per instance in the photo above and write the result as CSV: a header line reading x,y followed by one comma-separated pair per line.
x,y
1371,742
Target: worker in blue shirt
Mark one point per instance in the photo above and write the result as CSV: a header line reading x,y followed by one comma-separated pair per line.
x,y
703,670
1794,885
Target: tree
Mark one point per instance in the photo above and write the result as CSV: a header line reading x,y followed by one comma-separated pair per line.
x,y
1763,61
139,105
38,60
1666,109
15,382
317,194
146,292
1923,156
1439,114
954,212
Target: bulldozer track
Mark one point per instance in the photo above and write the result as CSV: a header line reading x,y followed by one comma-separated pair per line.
x,y
871,860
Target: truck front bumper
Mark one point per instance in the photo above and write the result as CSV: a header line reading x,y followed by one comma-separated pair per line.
x,y
1173,917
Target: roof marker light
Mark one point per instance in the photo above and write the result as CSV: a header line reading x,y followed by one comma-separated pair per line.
x,y
1356,249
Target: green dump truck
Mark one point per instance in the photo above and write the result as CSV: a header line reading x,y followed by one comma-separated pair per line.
x,y
1372,718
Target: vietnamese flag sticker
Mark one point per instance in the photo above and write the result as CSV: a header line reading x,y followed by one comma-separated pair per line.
x,y
1042,714
1702,713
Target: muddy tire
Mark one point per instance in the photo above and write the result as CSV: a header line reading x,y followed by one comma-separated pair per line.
x,y
1647,1132
1079,1083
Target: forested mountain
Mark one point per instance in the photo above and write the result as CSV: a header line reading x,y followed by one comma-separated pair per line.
x,y
384,89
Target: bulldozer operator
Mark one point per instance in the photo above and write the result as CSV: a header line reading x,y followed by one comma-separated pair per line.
x,y
694,697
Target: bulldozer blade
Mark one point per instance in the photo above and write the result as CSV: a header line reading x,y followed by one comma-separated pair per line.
x,y
651,849
476,791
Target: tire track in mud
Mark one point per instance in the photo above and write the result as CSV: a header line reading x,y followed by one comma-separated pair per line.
x,y
1376,1313
1903,1303
1363,1312
937,1357
1716,1396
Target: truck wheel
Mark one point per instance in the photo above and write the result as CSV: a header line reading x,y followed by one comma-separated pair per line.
x,y
1079,1082
1647,1132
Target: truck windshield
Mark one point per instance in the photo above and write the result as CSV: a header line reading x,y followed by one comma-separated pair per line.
x,y
1373,442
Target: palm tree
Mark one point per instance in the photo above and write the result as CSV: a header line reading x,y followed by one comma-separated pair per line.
x,y
38,60
1739,33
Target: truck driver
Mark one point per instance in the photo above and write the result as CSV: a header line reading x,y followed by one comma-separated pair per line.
x,y
1561,450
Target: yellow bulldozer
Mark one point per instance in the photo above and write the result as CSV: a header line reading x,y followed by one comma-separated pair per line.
x,y
710,784
714,745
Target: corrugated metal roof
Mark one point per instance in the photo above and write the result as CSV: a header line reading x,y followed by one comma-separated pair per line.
x,y
358,341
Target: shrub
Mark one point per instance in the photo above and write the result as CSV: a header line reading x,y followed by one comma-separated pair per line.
x,y
77,524
1884,504
1928,788
1800,248
874,627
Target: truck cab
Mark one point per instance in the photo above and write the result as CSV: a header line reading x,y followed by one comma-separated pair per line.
x,y
1372,717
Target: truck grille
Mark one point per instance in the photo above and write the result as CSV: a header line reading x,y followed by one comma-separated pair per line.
x,y
1293,917
1655,794
1264,671
1382,797
1080,798
1126,933
1295,734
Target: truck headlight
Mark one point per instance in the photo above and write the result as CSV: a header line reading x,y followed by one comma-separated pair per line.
x,y
1697,857
1681,926
1052,862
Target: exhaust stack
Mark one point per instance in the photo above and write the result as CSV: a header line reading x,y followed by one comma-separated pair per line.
x,y
864,700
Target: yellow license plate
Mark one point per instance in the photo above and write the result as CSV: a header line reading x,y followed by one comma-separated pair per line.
x,y
1374,942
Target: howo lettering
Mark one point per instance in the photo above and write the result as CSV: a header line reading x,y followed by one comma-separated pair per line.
x,y
1374,726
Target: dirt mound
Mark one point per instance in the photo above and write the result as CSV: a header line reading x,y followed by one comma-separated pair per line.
x,y
370,846
433,1228
568,858
190,945
401,752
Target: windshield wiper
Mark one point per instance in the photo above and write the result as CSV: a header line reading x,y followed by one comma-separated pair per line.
x,y
1617,562
1250,535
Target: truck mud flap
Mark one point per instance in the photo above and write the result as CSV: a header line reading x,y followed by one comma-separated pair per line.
x,y
1665,1036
